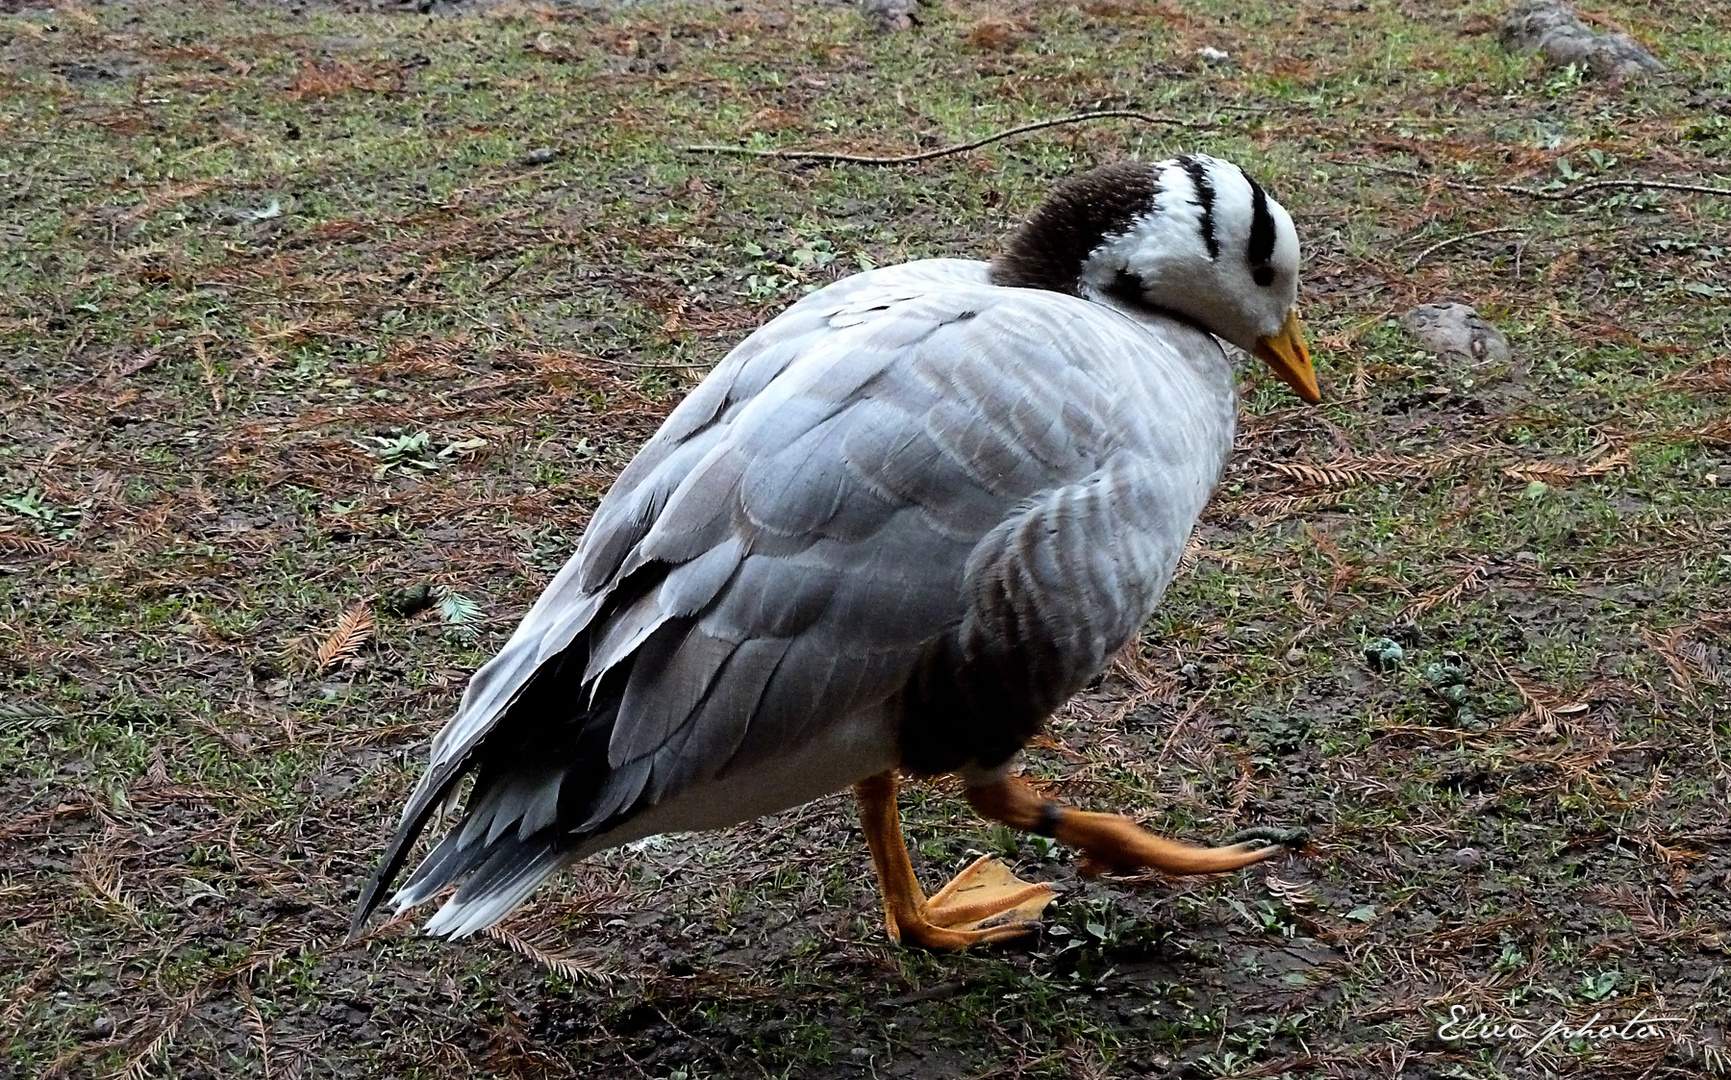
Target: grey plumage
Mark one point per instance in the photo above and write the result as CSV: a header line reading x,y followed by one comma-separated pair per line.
x,y
897,525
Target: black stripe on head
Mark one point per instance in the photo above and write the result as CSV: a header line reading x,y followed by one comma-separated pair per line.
x,y
1050,249
1204,200
1261,248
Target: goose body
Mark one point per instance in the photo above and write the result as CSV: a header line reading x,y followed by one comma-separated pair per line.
x,y
894,529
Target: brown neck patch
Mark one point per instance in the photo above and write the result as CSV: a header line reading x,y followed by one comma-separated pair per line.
x,y
1048,251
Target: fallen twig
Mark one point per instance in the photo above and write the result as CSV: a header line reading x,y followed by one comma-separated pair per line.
x,y
1552,472
1434,248
1561,194
651,365
1347,469
1593,185
210,377
927,155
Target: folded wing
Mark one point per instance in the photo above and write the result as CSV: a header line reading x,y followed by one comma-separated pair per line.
x,y
892,496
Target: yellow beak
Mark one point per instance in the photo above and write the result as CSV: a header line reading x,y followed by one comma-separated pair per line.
x,y
1289,357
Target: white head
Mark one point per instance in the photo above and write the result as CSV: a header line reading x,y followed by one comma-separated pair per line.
x,y
1194,236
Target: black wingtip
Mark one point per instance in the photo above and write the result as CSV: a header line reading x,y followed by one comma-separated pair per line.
x,y
369,898
431,794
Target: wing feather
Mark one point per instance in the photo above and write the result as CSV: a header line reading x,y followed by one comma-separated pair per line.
x,y
776,596
711,737
800,488
905,458
669,677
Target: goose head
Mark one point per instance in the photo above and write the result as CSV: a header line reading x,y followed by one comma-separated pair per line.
x,y
1194,237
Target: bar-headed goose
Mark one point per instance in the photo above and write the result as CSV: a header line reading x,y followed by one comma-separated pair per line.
x,y
892,531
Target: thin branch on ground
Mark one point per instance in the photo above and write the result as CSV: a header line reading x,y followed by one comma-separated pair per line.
x,y
1595,185
653,365
1560,195
959,148
1436,247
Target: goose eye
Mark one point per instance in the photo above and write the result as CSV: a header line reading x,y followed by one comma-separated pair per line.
x,y
1263,275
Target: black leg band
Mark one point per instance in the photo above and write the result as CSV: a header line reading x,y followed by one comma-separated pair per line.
x,y
1050,814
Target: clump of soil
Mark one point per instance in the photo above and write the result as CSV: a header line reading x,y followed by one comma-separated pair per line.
x,y
1553,29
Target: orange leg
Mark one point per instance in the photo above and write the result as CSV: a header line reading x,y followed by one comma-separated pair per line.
x,y
1111,842
984,903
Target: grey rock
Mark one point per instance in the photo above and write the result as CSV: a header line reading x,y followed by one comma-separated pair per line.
x,y
1455,331
1469,858
891,16
1552,29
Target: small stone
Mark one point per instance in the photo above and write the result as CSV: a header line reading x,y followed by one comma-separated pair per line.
x,y
1469,858
102,1027
1456,332
1553,30
541,155
1213,57
892,16
859,1053
1384,654
1293,656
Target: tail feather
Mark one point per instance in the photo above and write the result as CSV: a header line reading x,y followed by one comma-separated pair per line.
x,y
515,869
621,791
429,796
542,770
444,864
